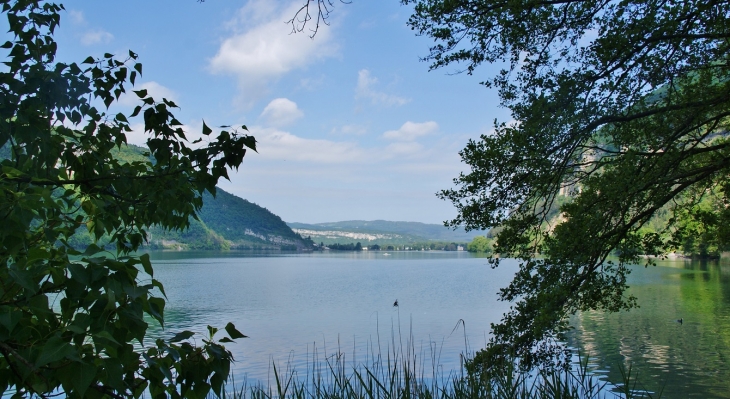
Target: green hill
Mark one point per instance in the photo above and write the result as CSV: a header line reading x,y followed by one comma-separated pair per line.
x,y
225,222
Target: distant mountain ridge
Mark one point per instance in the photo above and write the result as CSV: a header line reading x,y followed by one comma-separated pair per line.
x,y
381,231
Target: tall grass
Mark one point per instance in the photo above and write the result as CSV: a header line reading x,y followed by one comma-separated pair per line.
x,y
401,372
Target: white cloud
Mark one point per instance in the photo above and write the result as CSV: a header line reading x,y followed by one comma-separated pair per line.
x,y
311,83
154,89
281,112
137,136
266,50
365,89
404,148
350,130
87,37
96,36
77,17
274,144
411,131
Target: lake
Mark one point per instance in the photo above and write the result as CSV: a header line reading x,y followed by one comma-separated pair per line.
x,y
299,307
688,359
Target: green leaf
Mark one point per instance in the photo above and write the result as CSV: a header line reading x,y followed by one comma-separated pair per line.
x,y
136,111
92,249
147,265
206,130
140,93
182,336
211,332
250,142
156,283
10,318
89,60
201,390
54,350
24,278
156,309
11,172
233,332
35,254
83,375
105,335
76,329
79,273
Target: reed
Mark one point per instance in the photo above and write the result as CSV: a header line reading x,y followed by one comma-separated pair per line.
x,y
402,372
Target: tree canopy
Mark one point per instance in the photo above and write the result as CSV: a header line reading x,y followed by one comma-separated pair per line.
x,y
622,104
70,320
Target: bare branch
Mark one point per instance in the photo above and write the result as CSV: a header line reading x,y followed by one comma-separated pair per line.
x,y
303,16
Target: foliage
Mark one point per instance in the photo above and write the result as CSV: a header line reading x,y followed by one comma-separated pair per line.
x,y
480,244
345,247
198,236
232,217
70,320
222,221
696,225
703,223
623,105
226,221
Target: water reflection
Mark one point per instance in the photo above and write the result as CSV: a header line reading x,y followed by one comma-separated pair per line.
x,y
688,359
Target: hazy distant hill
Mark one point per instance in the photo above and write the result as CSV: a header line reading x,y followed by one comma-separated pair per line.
x,y
381,231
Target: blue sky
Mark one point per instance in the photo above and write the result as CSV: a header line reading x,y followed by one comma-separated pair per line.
x,y
350,124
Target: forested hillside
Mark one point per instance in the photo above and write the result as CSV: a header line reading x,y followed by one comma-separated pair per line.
x,y
230,222
697,225
226,222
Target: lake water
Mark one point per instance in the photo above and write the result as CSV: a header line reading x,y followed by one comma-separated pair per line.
x,y
295,306
687,360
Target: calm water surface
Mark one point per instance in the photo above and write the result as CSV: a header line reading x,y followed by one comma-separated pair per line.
x,y
292,306
687,360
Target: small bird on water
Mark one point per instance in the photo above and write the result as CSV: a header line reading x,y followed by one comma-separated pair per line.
x,y
395,304
680,321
